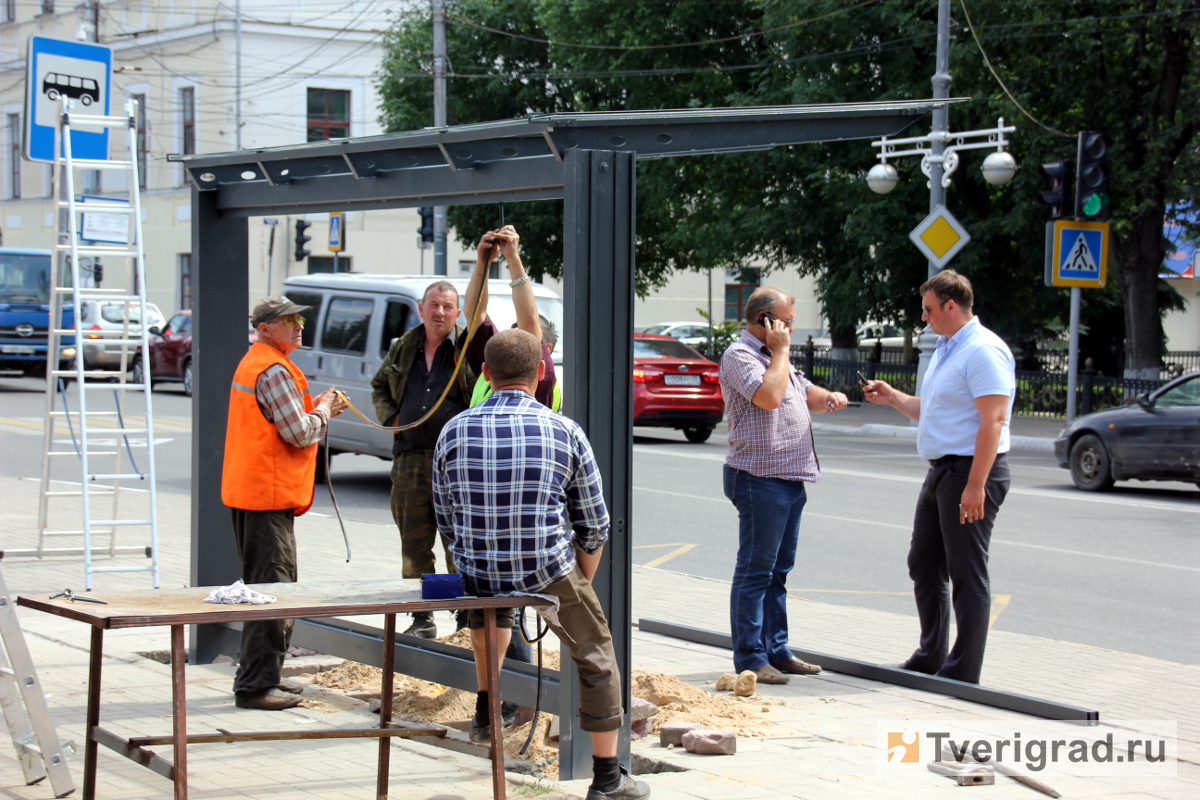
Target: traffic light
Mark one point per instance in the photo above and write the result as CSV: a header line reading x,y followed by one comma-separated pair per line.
x,y
301,239
1091,182
1059,196
426,229
97,272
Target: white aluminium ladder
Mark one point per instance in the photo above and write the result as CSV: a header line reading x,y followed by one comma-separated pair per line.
x,y
24,707
99,445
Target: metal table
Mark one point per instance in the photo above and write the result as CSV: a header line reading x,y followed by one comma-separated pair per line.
x,y
179,607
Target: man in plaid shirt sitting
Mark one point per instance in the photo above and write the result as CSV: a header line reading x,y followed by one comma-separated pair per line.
x,y
518,488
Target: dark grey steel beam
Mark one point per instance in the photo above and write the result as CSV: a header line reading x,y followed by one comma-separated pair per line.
x,y
221,276
972,693
431,661
511,181
428,660
598,259
651,134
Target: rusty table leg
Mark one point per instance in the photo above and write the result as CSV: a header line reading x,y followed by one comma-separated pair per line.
x,y
179,709
385,705
93,714
490,652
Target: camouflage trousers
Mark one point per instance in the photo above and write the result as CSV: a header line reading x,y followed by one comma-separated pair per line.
x,y
412,508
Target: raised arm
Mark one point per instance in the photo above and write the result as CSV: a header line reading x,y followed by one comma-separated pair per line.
x,y
522,285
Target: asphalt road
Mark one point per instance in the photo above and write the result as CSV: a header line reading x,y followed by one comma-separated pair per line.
x,y
1117,570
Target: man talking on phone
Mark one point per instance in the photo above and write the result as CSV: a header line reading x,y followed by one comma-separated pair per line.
x,y
768,405
962,415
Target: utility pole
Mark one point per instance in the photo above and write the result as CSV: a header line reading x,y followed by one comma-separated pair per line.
x,y
237,91
941,126
439,121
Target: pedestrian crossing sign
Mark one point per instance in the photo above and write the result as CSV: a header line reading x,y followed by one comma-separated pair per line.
x,y
1080,254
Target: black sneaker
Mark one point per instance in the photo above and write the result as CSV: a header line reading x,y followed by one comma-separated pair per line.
x,y
422,625
627,789
481,731
460,619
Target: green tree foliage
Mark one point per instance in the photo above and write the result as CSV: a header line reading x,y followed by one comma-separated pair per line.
x,y
1118,66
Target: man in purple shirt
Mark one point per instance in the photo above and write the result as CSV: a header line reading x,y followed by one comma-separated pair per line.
x,y
771,456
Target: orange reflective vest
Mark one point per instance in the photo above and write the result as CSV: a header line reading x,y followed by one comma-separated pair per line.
x,y
263,472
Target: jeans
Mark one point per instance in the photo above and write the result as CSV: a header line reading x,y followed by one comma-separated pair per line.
x,y
768,529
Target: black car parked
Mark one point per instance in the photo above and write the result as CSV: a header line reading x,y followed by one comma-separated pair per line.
x,y
1155,439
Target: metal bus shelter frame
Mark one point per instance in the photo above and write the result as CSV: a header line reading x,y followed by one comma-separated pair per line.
x,y
587,160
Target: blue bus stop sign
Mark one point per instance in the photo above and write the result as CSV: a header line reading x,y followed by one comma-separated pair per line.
x,y
81,71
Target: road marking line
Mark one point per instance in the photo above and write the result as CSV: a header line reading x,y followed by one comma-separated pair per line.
x,y
1083,497
678,551
1097,555
648,546
848,591
999,603
877,524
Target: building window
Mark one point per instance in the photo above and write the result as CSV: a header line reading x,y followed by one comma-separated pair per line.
x,y
187,107
185,280
328,114
738,288
325,264
10,10
47,6
14,155
143,141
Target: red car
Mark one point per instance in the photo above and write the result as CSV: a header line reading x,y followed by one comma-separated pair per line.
x,y
675,387
171,353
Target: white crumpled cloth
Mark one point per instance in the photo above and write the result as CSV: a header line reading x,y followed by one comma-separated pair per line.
x,y
548,613
239,592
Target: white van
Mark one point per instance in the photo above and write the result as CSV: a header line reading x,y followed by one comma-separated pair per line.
x,y
354,320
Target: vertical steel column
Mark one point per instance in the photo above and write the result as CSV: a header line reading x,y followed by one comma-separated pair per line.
x,y
220,249
598,261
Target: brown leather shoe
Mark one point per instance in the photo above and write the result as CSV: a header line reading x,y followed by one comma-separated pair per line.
x,y
768,674
269,700
795,666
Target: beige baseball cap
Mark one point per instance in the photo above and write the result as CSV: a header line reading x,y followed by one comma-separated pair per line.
x,y
277,305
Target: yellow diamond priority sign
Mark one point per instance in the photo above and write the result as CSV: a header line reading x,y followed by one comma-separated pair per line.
x,y
940,236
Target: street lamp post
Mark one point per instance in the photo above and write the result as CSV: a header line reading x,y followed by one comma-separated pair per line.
x,y
939,156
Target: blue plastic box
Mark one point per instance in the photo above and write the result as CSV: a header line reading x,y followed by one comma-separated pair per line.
x,y
441,587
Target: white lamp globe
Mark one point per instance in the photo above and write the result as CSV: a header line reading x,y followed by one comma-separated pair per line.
x,y
882,178
999,168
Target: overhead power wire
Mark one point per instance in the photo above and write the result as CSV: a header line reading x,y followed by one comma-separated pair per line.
x,y
1000,80
740,36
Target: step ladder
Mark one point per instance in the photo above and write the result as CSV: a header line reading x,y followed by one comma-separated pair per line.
x,y
95,445
24,706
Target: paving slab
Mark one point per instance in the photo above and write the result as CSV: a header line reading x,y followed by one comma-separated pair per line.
x,y
822,746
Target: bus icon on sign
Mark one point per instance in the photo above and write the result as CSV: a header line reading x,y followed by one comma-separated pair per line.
x,y
83,89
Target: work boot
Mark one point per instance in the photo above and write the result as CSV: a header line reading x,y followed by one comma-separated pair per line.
x,y
481,730
268,700
626,789
422,625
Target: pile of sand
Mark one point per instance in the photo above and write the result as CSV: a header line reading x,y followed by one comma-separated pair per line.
x,y
422,701
679,701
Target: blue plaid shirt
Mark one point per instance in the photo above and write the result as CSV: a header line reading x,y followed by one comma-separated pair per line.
x,y
516,486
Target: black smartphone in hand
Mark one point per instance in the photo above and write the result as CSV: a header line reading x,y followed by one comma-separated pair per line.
x,y
861,378
762,318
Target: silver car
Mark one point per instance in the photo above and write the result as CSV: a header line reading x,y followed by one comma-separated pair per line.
x,y
113,320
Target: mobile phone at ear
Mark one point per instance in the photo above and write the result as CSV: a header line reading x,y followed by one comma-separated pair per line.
x,y
762,318
861,378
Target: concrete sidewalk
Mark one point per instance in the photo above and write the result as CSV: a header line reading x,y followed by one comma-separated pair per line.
x,y
821,743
